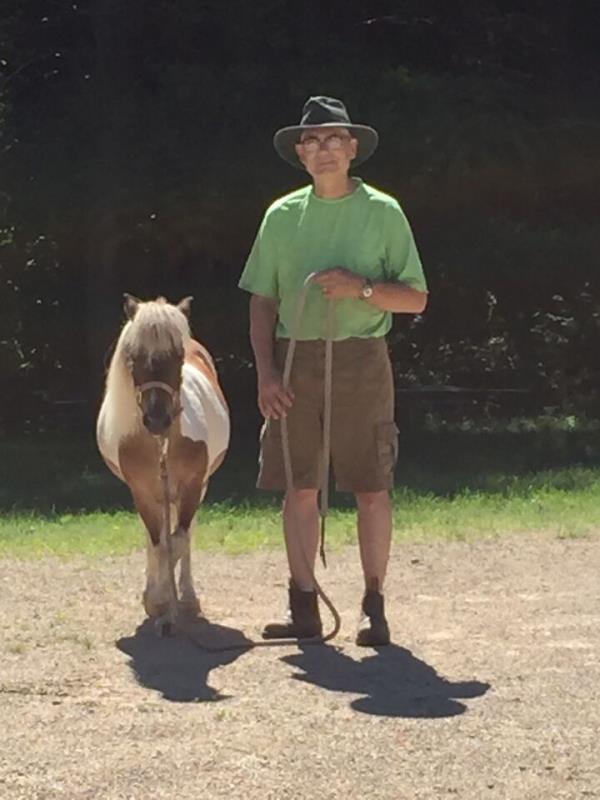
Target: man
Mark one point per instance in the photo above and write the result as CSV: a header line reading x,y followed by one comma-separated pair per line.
x,y
359,242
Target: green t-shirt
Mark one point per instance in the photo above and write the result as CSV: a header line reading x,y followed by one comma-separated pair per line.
x,y
365,231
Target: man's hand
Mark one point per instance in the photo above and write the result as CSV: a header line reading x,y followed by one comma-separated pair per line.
x,y
339,282
273,399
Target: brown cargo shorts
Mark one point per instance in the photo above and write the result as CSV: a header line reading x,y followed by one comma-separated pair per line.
x,y
364,436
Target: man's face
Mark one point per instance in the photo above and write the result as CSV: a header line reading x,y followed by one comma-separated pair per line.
x,y
326,150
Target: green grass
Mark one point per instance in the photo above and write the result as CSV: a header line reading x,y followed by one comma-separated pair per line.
x,y
564,503
57,497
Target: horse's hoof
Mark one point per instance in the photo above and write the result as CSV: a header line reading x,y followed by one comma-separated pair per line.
x,y
190,608
154,606
164,627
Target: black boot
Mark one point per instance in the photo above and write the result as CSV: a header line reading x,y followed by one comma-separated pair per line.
x,y
302,620
373,630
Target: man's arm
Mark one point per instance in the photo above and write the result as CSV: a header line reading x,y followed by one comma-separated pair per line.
x,y
397,297
338,283
273,400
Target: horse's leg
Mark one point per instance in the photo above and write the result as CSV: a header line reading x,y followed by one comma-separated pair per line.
x,y
190,500
138,459
188,599
153,600
156,593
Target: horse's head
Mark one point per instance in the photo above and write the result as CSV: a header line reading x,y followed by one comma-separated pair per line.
x,y
153,346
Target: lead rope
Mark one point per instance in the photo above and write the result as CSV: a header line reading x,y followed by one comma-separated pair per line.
x,y
287,462
324,499
165,531
289,480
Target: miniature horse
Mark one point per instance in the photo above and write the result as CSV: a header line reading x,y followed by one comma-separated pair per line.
x,y
162,386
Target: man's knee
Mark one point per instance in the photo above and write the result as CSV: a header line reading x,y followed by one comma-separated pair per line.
x,y
368,502
302,497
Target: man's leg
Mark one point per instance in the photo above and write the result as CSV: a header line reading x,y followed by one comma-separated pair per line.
x,y
301,529
300,510
374,536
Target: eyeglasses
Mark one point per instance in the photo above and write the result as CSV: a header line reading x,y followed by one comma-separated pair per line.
x,y
312,144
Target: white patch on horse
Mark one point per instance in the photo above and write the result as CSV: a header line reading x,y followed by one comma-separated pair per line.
x,y
204,416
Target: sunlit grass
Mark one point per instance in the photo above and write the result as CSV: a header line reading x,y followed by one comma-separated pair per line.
x,y
543,474
563,502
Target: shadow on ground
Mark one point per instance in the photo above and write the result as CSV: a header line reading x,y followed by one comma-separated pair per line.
x,y
177,666
393,682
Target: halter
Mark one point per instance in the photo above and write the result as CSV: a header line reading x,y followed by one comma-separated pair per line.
x,y
174,394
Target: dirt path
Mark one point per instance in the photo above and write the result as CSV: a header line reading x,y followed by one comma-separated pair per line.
x,y
490,692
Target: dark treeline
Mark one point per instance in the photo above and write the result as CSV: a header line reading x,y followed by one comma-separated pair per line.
x,y
135,155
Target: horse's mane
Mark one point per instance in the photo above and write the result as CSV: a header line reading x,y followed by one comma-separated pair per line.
x,y
158,328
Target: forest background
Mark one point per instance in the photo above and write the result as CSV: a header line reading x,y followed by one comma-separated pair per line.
x,y
136,155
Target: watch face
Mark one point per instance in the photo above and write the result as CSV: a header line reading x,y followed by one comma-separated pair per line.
x,y
367,290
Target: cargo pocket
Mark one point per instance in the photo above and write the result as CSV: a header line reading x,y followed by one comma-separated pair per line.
x,y
386,439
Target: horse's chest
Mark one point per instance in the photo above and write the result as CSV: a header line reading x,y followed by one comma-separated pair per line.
x,y
187,464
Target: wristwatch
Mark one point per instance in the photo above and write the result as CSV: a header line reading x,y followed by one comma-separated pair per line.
x,y
367,289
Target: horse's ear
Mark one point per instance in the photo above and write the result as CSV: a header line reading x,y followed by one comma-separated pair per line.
x,y
131,305
185,306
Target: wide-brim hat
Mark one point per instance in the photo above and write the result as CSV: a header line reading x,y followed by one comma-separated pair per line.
x,y
325,112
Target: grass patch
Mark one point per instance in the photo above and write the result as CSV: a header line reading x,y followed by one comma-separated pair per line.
x,y
561,502
58,498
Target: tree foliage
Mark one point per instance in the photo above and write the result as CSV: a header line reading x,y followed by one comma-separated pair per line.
x,y
135,154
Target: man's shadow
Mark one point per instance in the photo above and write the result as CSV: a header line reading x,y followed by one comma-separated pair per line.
x,y
178,666
393,682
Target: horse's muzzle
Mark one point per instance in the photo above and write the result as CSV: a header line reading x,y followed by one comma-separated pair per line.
x,y
157,423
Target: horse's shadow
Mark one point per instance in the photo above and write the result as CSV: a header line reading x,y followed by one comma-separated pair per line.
x,y
178,666
393,682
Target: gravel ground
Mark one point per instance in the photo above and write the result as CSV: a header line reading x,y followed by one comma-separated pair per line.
x,y
488,691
